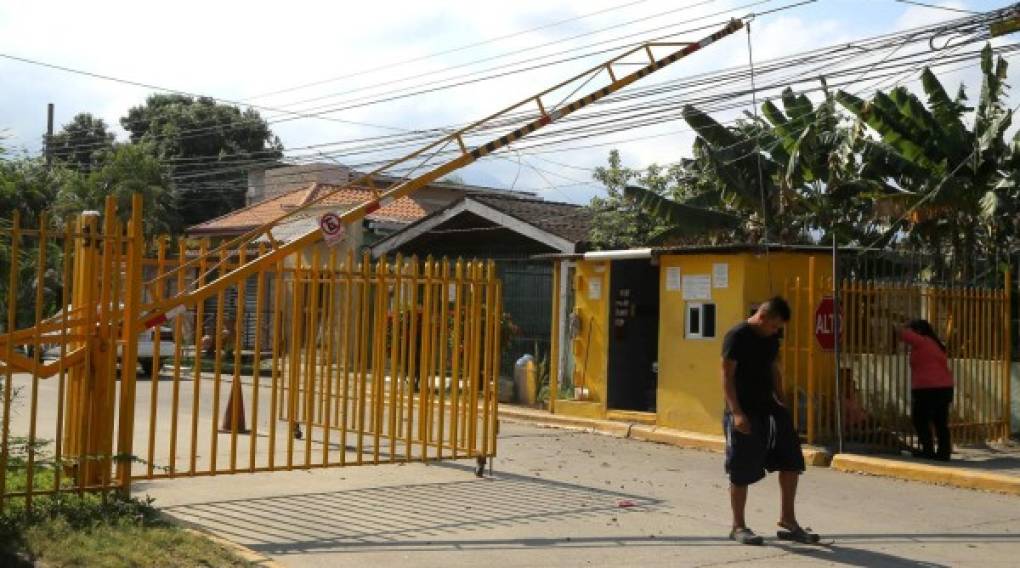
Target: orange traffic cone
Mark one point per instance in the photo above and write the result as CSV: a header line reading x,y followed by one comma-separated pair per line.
x,y
233,414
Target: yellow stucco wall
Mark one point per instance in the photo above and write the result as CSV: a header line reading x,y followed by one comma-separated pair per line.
x,y
689,395
589,347
689,392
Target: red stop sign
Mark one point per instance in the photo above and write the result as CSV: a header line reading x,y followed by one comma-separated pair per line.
x,y
825,324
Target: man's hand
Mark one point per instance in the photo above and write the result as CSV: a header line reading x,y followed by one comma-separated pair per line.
x,y
742,423
779,400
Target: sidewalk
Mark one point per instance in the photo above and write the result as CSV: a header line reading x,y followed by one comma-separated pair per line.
x,y
993,468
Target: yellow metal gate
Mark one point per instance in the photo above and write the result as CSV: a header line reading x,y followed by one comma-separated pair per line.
x,y
365,363
352,362
874,367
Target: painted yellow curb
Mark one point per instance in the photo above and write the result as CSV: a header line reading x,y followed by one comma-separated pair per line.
x,y
679,438
643,432
539,418
928,473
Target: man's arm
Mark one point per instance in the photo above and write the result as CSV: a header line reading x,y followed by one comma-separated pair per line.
x,y
777,383
740,421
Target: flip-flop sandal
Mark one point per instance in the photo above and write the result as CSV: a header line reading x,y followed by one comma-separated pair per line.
x,y
744,535
798,534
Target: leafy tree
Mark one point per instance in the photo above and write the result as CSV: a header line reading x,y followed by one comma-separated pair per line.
x,y
959,184
616,221
80,144
792,176
127,169
205,148
28,187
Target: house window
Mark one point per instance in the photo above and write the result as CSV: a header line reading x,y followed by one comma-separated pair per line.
x,y
700,321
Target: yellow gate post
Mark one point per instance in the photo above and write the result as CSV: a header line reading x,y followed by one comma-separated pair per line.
x,y
86,258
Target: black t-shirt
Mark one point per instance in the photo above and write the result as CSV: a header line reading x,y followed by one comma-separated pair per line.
x,y
754,355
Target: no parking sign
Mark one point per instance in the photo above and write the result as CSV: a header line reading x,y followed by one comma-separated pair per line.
x,y
332,228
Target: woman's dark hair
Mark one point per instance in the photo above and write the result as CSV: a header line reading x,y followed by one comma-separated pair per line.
x,y
922,327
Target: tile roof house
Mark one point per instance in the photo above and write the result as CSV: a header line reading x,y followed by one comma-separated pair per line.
x,y
275,192
510,232
401,212
494,226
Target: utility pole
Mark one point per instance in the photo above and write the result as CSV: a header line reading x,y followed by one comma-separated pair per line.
x,y
49,135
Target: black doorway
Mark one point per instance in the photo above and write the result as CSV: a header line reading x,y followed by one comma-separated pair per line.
x,y
633,335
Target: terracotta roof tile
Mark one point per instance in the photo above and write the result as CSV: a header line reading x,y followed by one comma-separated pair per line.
x,y
404,209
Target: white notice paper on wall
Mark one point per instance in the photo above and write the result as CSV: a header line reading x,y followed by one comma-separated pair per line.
x,y
673,279
697,287
721,275
595,289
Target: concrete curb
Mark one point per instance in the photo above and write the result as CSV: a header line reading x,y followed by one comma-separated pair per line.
x,y
692,440
242,552
928,473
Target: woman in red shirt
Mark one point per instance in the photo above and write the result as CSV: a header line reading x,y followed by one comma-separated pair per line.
x,y
931,384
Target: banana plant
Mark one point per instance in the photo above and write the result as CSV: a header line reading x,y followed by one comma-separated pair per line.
x,y
957,184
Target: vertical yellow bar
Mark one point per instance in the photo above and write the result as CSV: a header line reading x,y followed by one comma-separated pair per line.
x,y
101,433
182,253
413,353
330,339
987,325
394,334
154,371
235,401
214,431
467,363
489,348
554,338
379,352
811,374
403,338
65,297
37,359
477,298
1006,353
256,363
11,325
197,371
276,363
455,357
444,325
794,349
424,365
493,410
979,392
87,261
135,245
294,358
311,340
347,356
364,311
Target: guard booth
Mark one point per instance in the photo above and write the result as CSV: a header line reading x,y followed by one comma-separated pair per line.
x,y
641,330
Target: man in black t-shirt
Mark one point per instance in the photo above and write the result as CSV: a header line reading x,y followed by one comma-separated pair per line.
x,y
759,431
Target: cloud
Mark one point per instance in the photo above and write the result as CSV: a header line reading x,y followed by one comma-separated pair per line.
x,y
239,50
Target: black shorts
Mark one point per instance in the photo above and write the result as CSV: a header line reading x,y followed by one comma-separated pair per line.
x,y
772,445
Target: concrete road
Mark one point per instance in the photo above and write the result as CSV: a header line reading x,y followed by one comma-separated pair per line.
x,y
562,498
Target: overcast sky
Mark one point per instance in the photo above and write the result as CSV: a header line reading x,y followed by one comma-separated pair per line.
x,y
330,54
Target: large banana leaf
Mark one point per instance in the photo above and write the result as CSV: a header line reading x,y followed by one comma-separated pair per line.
x,y
922,121
887,126
717,135
948,113
687,219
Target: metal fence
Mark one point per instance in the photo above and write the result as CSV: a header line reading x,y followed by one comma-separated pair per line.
x,y
362,362
871,404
